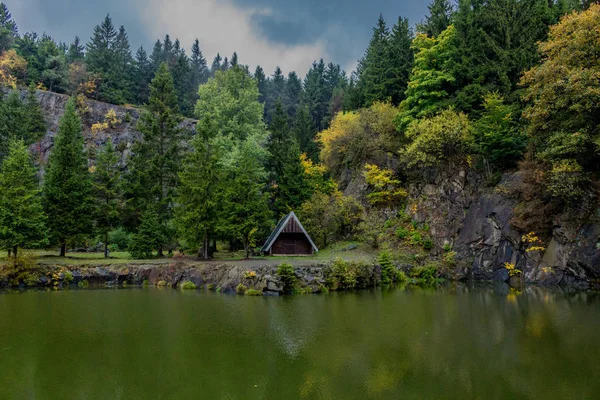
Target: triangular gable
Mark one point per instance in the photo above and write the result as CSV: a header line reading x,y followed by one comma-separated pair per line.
x,y
279,228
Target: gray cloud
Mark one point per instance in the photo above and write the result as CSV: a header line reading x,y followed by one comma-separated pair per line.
x,y
289,33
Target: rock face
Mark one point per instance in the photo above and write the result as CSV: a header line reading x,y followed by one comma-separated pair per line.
x,y
475,221
123,133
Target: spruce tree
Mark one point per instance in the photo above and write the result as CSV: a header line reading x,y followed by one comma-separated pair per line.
x,y
304,133
100,57
199,201
106,178
216,65
143,75
35,122
8,29
439,18
67,184
22,218
75,52
157,56
154,166
121,71
199,70
401,58
12,115
375,65
293,94
316,96
262,84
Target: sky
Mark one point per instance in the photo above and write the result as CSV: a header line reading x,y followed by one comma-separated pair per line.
x,y
286,33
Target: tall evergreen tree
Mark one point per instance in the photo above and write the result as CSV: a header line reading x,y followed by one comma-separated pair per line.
x,y
35,121
157,56
67,183
401,58
439,18
293,94
121,71
100,57
8,29
374,66
216,65
106,190
304,133
12,115
200,71
22,218
262,84
75,52
199,200
152,179
315,94
143,75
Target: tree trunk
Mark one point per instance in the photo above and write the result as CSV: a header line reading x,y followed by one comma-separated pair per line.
x,y
247,249
15,251
106,245
160,251
63,248
9,250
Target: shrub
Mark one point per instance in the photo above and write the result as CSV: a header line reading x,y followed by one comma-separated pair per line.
x,y
287,274
416,238
389,272
249,274
119,238
427,244
211,286
188,285
402,233
424,274
447,247
342,276
253,292
449,258
241,289
161,283
146,282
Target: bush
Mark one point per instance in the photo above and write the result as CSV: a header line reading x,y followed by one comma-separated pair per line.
x,y
211,286
253,292
287,274
188,285
402,233
341,276
241,289
424,274
427,244
119,238
389,273
146,283
416,238
161,283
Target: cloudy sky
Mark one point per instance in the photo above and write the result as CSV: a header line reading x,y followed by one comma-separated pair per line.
x,y
288,33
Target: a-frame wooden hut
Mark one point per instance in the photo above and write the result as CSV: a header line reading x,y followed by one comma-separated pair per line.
x,y
289,238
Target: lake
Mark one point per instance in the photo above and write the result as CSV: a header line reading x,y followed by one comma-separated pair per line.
x,y
454,342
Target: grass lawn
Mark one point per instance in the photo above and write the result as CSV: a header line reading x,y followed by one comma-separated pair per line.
x,y
360,252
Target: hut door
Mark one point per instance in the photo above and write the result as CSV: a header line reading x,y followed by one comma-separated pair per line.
x,y
290,246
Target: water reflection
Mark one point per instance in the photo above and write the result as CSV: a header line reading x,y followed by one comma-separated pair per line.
x,y
453,342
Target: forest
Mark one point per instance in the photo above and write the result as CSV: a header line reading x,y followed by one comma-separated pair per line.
x,y
488,85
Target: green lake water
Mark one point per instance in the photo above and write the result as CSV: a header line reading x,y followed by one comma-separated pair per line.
x,y
446,343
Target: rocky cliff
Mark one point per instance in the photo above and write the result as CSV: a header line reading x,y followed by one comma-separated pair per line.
x,y
475,220
122,132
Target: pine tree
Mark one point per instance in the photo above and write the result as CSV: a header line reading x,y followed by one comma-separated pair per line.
x,y
157,56
246,205
11,121
100,57
75,52
35,122
216,65
315,94
143,75
106,188
262,84
149,235
375,65
121,71
293,94
22,218
401,60
67,184
200,71
199,200
304,133
152,179
439,18
234,59
8,29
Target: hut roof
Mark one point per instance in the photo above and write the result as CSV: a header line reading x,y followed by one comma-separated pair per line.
x,y
283,222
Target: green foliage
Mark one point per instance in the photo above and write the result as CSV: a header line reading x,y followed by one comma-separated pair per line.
x,y
241,288
439,18
564,103
119,238
328,218
22,218
67,184
402,233
389,273
431,81
287,274
344,275
154,166
427,244
444,137
386,189
106,184
426,275
253,292
148,237
498,138
20,120
188,285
